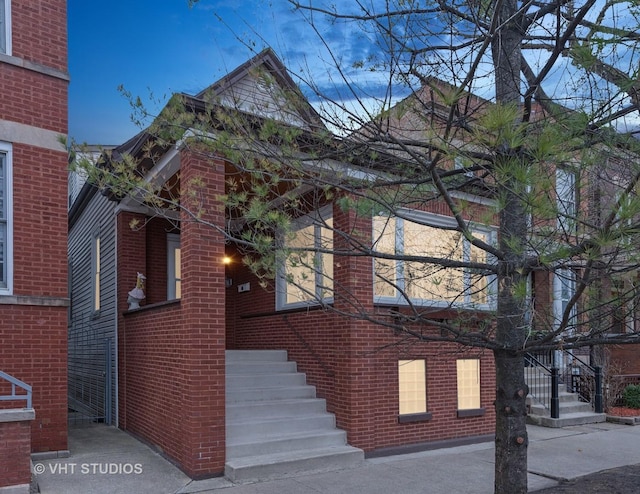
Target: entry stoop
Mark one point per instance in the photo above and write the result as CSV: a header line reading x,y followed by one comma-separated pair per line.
x,y
276,427
572,411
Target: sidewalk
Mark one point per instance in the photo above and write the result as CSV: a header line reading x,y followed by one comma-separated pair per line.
x,y
106,460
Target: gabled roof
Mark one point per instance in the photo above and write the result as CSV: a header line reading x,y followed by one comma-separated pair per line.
x,y
263,86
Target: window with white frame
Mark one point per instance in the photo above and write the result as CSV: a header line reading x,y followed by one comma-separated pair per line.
x,y
6,218
306,275
427,235
567,199
564,287
468,380
5,27
412,387
95,270
174,273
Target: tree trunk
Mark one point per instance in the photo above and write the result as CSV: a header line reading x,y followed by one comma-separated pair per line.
x,y
511,390
511,430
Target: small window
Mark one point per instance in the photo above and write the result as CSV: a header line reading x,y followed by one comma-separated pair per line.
x,y
6,247
567,199
412,387
5,27
95,269
468,379
174,273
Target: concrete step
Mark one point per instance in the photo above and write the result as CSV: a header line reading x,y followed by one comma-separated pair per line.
x,y
247,430
237,381
568,419
232,356
275,424
278,465
247,394
256,411
260,367
565,408
288,442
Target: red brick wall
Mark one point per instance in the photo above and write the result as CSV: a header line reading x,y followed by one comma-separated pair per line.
x,y
172,355
39,29
15,460
354,364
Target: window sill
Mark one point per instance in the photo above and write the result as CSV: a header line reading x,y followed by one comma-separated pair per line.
x,y
474,412
414,417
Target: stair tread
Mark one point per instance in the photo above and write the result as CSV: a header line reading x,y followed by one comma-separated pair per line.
x,y
275,458
287,415
283,401
307,434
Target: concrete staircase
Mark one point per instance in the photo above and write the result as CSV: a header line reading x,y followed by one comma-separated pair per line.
x,y
572,410
275,425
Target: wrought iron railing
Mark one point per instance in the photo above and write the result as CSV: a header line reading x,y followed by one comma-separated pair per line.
x,y
17,383
579,377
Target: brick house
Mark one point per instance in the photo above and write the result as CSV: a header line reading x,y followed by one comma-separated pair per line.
x,y
206,318
193,370
33,279
33,173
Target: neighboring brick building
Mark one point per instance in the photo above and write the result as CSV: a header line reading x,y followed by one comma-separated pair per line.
x,y
33,200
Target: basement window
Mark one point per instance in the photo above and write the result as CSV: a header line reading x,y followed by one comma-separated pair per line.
x,y
412,391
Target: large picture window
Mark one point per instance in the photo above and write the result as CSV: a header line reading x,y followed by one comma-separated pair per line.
x,y
306,275
425,235
6,253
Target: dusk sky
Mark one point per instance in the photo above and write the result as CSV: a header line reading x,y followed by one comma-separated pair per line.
x,y
155,48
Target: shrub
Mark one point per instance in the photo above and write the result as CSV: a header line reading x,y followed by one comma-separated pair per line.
x,y
631,396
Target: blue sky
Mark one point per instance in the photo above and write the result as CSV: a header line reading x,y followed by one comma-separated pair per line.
x,y
155,48
152,48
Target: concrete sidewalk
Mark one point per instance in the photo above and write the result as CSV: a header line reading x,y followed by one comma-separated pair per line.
x,y
106,460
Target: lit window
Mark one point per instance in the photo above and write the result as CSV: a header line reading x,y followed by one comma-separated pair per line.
x,y
5,26
307,274
95,269
468,378
174,273
423,281
412,387
6,253
566,194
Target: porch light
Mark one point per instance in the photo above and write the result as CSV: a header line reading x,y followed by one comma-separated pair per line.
x,y
226,260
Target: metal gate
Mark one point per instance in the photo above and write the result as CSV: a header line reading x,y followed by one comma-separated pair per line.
x,y
90,377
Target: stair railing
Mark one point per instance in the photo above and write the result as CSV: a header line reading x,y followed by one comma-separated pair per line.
x,y
14,396
586,381
539,378
579,377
